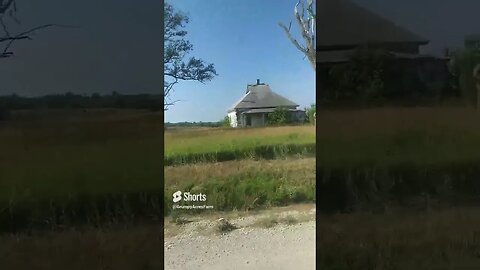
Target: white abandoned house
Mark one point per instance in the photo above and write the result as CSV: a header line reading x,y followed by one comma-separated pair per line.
x,y
253,108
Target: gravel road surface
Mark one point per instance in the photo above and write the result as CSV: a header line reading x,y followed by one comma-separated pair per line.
x,y
283,246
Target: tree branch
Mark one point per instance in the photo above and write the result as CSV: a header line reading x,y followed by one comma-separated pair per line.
x,y
5,29
307,30
5,6
294,41
176,49
25,35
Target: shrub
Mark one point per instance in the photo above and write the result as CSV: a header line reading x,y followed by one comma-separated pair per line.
x,y
280,116
310,112
461,67
225,122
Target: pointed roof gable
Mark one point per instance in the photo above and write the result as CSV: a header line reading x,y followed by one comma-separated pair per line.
x,y
342,23
261,96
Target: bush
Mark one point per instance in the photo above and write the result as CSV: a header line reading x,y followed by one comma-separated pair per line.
x,y
362,78
310,114
463,64
225,122
279,117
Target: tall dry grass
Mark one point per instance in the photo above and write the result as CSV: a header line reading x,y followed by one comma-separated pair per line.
x,y
398,135
70,168
120,249
245,184
393,155
84,169
447,239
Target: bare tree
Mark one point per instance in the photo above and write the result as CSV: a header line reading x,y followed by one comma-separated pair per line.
x,y
8,10
306,23
176,49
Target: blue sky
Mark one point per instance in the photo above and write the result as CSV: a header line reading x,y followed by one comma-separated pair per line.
x,y
115,48
244,42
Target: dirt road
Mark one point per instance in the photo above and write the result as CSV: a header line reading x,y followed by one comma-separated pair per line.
x,y
282,239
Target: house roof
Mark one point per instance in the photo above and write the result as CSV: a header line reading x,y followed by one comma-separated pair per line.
x,y
261,96
342,23
267,110
342,56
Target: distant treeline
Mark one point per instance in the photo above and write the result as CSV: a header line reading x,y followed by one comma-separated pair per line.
x,y
194,124
75,101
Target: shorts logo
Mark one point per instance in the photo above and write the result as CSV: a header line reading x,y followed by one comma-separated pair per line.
x,y
177,196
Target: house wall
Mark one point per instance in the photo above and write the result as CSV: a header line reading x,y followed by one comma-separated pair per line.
x,y
237,119
257,120
233,119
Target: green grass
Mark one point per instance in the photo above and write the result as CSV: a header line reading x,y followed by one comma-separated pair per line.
x,y
416,145
195,141
378,156
79,170
245,185
97,168
66,168
387,137
184,146
273,151
375,137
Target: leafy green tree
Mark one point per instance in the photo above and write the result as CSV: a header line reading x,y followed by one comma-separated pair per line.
x,y
280,116
176,49
310,112
464,67
362,78
225,122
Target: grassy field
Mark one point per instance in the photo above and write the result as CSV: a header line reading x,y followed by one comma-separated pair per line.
x,y
242,169
385,137
187,141
397,186
70,168
245,184
96,167
375,157
398,189
446,239
183,146
61,169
